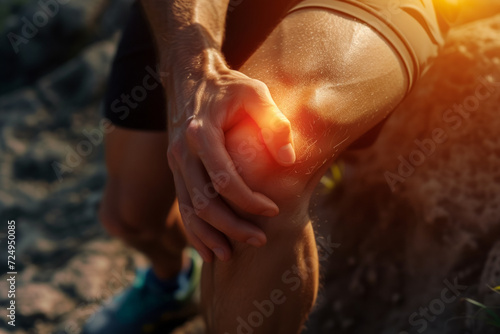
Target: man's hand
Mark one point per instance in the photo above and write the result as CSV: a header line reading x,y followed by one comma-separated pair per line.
x,y
205,98
206,105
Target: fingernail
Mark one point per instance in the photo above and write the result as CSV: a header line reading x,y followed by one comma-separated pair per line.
x,y
253,241
220,253
286,154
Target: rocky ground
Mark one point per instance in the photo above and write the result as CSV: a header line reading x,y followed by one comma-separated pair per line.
x,y
399,248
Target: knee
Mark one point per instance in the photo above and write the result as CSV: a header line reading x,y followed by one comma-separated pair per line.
x,y
288,187
124,214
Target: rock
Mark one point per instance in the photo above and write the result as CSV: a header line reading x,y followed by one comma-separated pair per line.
x,y
15,108
42,300
96,273
41,37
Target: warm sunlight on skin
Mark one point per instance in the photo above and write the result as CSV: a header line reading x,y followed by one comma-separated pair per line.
x,y
470,10
450,2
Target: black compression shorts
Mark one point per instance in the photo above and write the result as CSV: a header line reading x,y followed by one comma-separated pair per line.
x,y
135,98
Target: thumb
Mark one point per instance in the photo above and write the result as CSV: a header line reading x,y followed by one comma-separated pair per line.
x,y
275,127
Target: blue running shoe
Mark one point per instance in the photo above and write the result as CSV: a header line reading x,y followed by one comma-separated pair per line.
x,y
147,306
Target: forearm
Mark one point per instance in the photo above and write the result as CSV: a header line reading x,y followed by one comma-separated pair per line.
x,y
188,35
185,29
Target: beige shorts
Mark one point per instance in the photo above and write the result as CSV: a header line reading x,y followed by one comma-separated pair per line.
x,y
413,27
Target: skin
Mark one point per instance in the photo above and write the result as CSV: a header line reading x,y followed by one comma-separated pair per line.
x,y
206,99
339,85
331,88
339,89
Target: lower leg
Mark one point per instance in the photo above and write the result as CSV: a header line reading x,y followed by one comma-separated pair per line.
x,y
265,290
269,289
138,197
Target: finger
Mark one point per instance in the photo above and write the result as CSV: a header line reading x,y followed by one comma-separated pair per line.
x,y
221,217
212,238
205,252
209,144
187,212
275,127
208,206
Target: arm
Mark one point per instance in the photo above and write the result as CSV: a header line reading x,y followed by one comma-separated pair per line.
x,y
186,31
205,99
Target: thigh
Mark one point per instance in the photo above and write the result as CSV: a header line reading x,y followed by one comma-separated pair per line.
x,y
248,24
334,78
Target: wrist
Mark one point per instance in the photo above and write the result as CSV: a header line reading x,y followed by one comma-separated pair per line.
x,y
185,77
187,48
185,66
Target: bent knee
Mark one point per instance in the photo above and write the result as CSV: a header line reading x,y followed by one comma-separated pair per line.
x,y
112,222
284,185
127,210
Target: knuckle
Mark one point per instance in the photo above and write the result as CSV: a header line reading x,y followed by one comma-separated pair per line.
x,y
203,212
194,132
220,176
220,185
280,125
185,210
259,88
187,220
188,223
